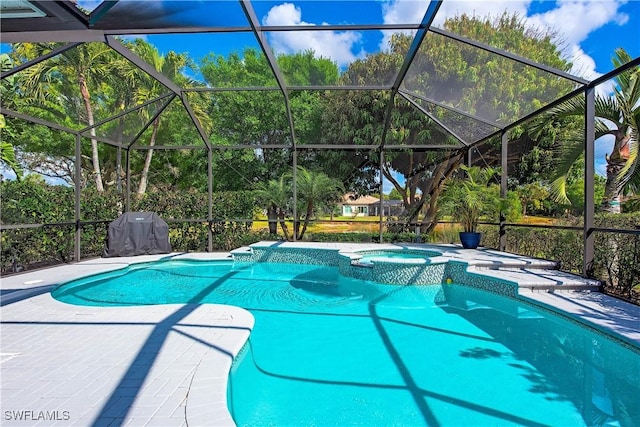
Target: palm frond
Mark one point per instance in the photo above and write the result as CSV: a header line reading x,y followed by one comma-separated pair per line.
x,y
630,173
601,129
570,108
620,58
629,99
566,155
8,156
607,108
558,190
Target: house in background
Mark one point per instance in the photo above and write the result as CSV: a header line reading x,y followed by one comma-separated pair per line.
x,y
369,206
362,206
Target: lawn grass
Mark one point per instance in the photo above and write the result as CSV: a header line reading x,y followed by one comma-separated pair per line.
x,y
370,224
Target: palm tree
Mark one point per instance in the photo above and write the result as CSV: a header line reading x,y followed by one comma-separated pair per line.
x,y
7,152
171,65
315,190
276,195
467,199
618,116
86,66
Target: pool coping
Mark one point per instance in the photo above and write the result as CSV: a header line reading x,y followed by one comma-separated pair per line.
x,y
40,373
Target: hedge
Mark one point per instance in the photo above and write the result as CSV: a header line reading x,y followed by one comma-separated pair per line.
x,y
33,202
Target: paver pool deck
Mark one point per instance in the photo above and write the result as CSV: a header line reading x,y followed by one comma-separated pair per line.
x,y
167,365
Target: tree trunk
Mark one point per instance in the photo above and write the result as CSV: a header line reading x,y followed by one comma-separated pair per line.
x,y
296,227
283,224
436,185
144,176
615,163
95,156
272,217
306,219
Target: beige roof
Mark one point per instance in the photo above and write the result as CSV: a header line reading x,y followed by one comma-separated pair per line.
x,y
363,200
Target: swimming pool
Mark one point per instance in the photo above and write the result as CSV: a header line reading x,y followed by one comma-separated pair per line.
x,y
331,350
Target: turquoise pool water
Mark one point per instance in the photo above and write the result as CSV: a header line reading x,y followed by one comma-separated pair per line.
x,y
331,350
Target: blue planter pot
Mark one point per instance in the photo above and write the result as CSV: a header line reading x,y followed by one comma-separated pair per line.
x,y
470,240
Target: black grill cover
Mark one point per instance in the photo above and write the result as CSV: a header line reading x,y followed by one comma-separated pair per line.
x,y
137,233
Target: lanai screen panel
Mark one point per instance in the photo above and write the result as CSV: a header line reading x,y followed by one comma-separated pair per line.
x,y
488,154
334,58
243,117
512,17
356,168
463,127
162,14
220,60
174,128
127,124
77,88
410,126
236,169
480,83
88,88
339,117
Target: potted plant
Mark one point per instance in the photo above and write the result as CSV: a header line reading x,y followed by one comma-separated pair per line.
x,y
468,199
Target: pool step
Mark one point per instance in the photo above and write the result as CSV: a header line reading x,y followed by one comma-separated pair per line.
x,y
532,273
497,265
542,279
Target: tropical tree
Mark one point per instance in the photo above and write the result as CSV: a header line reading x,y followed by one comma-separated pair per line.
x,y
275,194
315,190
84,66
394,194
532,197
172,65
7,152
453,74
258,117
618,116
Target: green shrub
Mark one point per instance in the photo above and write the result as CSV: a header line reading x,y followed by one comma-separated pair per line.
x,y
32,201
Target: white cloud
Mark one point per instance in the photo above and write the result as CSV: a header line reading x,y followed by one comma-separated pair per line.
x,y
585,67
400,12
576,20
338,46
